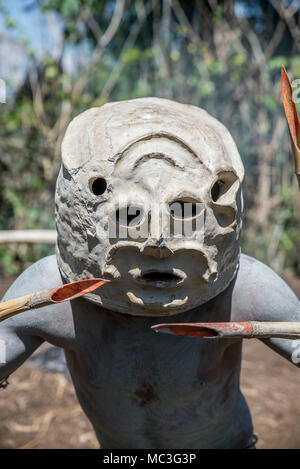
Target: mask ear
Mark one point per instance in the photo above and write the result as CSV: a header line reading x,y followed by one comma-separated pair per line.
x,y
292,119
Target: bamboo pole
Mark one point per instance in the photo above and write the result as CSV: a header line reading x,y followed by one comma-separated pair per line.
x,y
233,330
28,236
46,297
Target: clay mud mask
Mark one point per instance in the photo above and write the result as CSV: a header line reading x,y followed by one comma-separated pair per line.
x,y
149,197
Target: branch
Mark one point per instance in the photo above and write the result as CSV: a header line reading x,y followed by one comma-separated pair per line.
x,y
103,41
276,38
113,77
28,236
182,18
288,15
113,25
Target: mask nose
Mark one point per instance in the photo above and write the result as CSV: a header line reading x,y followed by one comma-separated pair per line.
x,y
157,248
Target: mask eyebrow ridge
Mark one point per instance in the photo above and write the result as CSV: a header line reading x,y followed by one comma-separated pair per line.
x,y
159,156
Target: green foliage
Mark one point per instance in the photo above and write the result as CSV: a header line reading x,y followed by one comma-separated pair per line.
x,y
210,59
281,247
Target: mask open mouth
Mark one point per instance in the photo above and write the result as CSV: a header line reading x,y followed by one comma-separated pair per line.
x,y
160,279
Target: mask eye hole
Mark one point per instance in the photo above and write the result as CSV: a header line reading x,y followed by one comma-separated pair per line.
x,y
185,209
98,185
224,189
215,190
129,216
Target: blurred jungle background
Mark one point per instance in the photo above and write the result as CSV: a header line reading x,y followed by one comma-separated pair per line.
x,y
59,58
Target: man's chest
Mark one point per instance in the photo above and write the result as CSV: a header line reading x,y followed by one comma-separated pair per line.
x,y
146,366
163,390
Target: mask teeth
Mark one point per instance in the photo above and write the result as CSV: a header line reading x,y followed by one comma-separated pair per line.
x,y
211,272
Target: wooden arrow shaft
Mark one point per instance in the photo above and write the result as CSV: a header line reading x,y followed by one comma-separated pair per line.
x,y
230,330
45,297
18,305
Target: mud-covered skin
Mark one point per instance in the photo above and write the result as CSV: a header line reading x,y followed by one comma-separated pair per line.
x,y
146,390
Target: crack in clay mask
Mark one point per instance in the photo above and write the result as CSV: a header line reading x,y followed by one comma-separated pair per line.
x,y
149,197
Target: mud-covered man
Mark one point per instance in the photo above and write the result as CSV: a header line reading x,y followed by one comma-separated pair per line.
x,y
149,197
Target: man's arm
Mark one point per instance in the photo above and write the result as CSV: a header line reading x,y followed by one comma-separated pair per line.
x,y
15,349
18,335
261,295
289,349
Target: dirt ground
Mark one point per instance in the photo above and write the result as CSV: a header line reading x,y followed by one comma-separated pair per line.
x,y
39,409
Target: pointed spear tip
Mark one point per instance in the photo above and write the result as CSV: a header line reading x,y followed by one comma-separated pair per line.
x,y
292,119
76,289
188,330
162,328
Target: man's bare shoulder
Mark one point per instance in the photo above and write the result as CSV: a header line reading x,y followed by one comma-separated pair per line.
x,y
261,294
43,322
41,275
